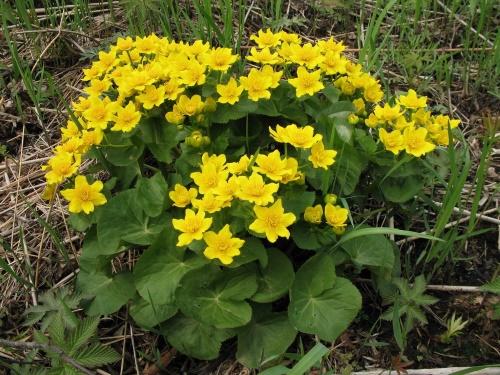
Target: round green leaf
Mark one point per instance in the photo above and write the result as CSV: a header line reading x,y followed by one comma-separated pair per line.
x,y
371,250
149,315
217,297
274,280
160,268
321,303
264,338
193,338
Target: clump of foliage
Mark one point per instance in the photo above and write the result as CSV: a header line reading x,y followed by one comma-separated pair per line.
x,y
236,178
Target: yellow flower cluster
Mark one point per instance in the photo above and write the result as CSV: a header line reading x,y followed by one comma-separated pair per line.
x,y
335,216
255,180
144,74
409,126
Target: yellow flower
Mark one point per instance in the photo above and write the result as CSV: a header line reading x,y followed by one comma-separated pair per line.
x,y
126,118
321,158
272,221
263,56
107,60
387,113
70,131
174,116
254,189
302,137
373,93
359,105
97,87
147,44
91,138
307,83
71,146
172,89
125,44
402,123
222,245
81,105
192,227
290,37
152,96
209,178
372,121
257,84
84,197
219,161
271,165
275,75
220,59
226,190
93,72
421,117
190,106
230,92
314,214
415,143
279,134
181,196
240,166
334,63
306,54
266,38
412,101
198,48
48,192
444,120
331,46
61,166
336,217
209,203
194,74
99,113
393,141
293,174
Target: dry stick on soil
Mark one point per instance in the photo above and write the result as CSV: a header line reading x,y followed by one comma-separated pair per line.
x,y
46,348
451,224
50,43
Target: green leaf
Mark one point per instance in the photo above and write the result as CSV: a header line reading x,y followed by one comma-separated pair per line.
x,y
492,286
121,150
193,338
217,297
360,232
122,218
149,315
252,249
310,236
309,360
80,222
275,279
401,189
371,250
366,141
152,194
320,302
96,355
296,201
160,268
159,137
111,293
266,337
348,167
226,112
83,332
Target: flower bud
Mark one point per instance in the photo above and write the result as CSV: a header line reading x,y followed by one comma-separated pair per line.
x,y
210,104
352,119
330,198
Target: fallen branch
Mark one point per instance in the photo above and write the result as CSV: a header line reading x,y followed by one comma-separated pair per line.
x,y
46,348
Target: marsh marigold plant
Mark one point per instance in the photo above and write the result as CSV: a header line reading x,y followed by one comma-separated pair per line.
x,y
238,180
